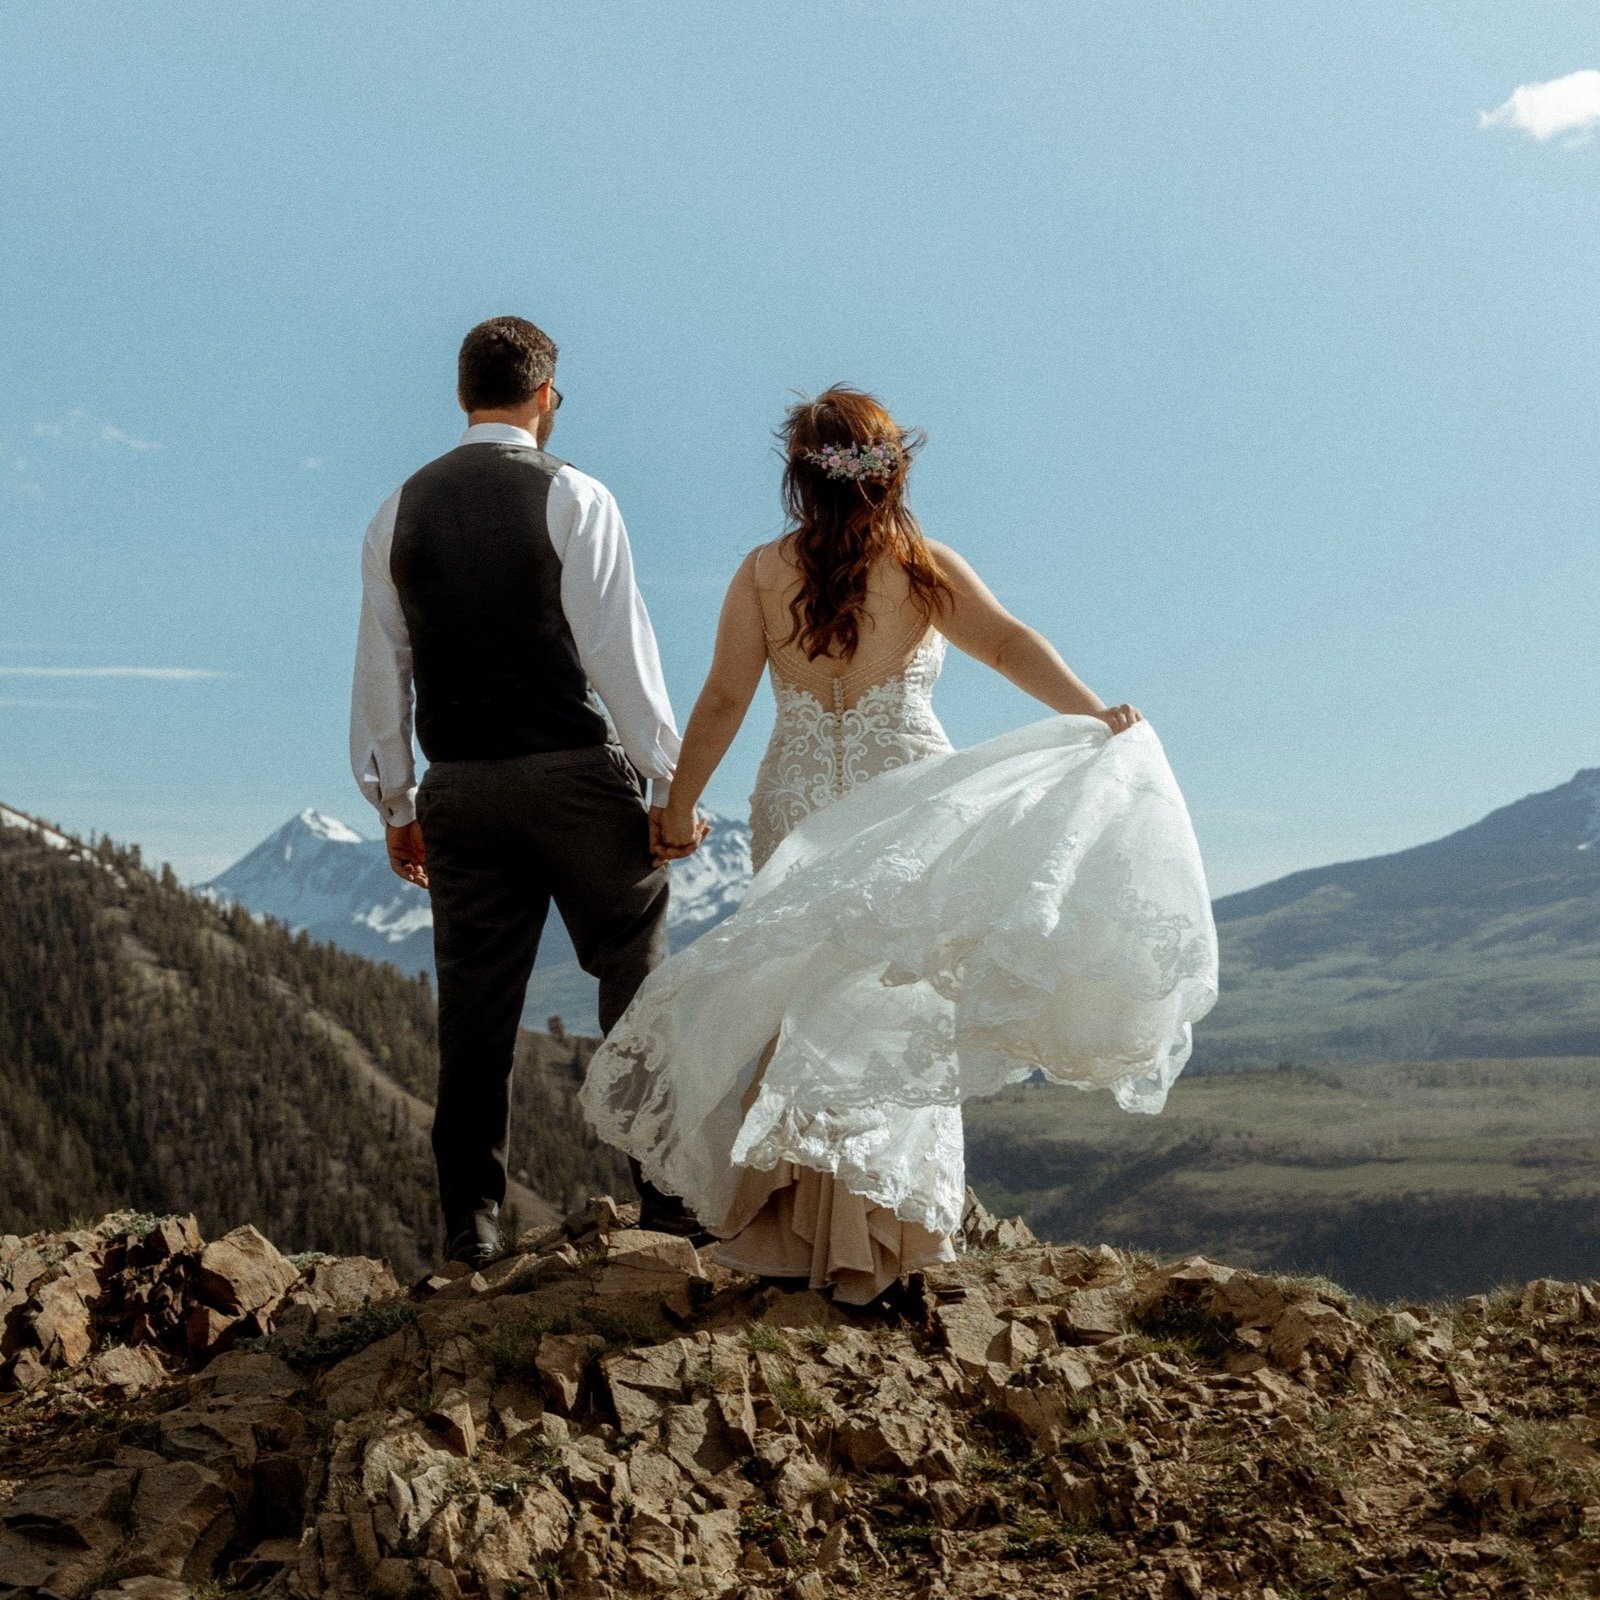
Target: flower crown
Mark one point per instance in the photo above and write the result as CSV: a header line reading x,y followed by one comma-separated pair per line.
x,y
856,462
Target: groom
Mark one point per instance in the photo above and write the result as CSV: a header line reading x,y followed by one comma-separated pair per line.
x,y
497,588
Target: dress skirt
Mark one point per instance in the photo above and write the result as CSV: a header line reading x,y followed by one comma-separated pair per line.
x,y
1033,907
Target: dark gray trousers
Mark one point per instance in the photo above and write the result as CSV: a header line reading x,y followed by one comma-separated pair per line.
x,y
505,838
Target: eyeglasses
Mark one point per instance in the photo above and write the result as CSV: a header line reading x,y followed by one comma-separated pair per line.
x,y
555,398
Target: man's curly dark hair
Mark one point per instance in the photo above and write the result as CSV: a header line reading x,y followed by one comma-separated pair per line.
x,y
502,362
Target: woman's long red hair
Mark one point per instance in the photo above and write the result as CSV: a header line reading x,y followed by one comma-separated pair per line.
x,y
839,527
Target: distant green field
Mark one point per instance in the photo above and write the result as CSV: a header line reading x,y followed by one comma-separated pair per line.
x,y
1399,1179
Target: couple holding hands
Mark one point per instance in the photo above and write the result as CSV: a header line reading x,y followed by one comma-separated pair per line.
x,y
925,924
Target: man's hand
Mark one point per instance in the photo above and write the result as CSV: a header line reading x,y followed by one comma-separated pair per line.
x,y
407,854
674,833
1120,718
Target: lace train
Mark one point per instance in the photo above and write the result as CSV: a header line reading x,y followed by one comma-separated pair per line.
x,y
1035,904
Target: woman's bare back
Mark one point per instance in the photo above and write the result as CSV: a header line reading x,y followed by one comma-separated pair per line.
x,y
893,627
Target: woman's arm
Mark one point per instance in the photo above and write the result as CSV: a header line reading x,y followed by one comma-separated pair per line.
x,y
736,666
975,622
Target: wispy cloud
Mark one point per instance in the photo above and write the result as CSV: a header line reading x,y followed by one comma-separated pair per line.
x,y
313,463
1543,110
162,674
84,426
20,480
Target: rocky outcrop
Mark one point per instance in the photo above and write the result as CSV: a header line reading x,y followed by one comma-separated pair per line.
x,y
601,1414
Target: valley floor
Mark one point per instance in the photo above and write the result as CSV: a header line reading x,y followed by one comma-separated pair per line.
x,y
1410,1179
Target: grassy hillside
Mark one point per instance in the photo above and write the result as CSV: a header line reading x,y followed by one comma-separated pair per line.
x,y
1482,944
1400,1179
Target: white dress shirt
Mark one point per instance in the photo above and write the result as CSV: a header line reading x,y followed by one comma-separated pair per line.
x,y
610,627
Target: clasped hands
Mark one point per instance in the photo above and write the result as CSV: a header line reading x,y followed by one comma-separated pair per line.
x,y
675,833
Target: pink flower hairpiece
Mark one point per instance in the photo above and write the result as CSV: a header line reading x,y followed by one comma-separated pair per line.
x,y
856,462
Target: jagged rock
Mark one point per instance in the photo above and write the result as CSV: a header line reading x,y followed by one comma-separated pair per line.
x,y
59,1532
516,1407
1369,1377
241,1373
1092,1315
561,1362
1547,1296
61,1321
1075,1494
126,1370
982,1230
695,1436
1308,1326
242,1272
264,1562
640,1383
451,1419
1194,1272
1020,1343
206,1329
655,1551
146,1589
408,1470
801,1308
1046,1419
642,1247
25,1370
1040,1412
656,1479
371,1377
328,1291
183,1517
1247,1300
972,1333
170,1236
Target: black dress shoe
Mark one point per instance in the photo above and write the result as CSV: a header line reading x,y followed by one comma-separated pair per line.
x,y
674,1217
681,1225
476,1241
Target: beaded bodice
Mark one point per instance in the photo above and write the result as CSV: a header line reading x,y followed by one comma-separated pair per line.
x,y
837,731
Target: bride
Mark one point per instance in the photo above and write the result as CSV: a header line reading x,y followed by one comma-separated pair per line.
x,y
925,925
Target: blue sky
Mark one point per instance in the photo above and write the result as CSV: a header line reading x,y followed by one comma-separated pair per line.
x,y
1256,371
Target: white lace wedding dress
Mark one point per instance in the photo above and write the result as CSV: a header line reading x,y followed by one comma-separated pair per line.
x,y
925,925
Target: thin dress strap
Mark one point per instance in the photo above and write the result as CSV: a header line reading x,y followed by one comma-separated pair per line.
x,y
760,551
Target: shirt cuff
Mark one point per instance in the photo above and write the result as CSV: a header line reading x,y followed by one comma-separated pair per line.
x,y
660,791
399,812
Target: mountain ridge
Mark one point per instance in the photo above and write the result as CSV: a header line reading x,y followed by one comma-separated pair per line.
x,y
317,873
1566,817
1474,944
1482,943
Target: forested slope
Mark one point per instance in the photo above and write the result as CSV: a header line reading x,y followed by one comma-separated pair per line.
x,y
161,1053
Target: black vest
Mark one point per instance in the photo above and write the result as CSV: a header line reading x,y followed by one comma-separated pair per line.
x,y
496,670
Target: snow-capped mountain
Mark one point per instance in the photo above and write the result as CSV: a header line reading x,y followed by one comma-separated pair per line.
x,y
319,874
